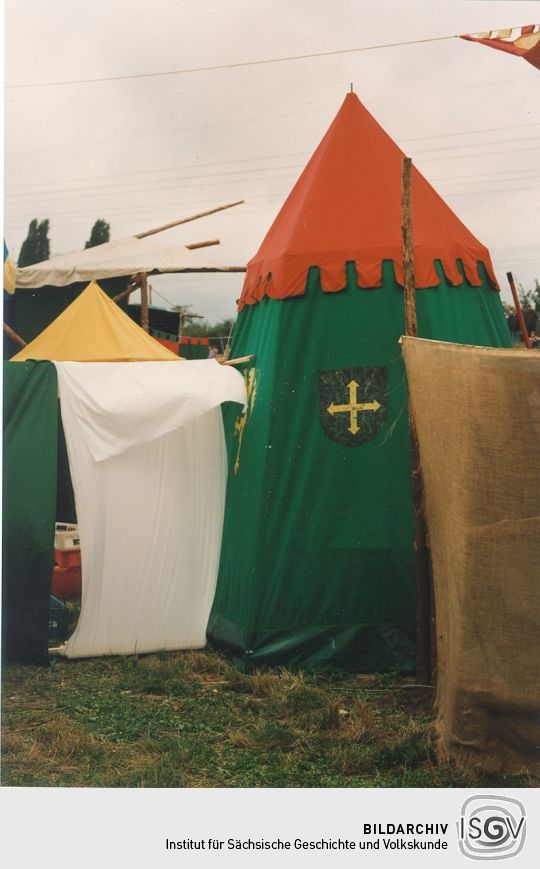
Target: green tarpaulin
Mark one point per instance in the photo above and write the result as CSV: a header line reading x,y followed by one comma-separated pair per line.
x,y
317,558
28,507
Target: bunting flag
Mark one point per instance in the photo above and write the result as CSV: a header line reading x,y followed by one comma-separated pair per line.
x,y
521,41
9,272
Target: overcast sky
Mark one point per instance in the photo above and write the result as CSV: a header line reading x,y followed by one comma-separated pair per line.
x,y
144,151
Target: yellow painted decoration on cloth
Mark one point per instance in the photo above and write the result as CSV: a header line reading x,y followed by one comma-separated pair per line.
x,y
353,407
251,387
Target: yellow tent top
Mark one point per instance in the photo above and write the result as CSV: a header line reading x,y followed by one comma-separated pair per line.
x,y
94,329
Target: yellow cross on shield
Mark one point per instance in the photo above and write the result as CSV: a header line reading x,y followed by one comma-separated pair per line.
x,y
353,404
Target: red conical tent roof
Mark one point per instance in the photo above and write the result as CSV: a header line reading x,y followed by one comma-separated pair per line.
x,y
346,206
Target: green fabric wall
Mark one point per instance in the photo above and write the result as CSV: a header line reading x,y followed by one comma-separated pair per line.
x,y
317,565
28,507
65,496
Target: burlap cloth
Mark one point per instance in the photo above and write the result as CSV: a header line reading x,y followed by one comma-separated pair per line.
x,y
477,412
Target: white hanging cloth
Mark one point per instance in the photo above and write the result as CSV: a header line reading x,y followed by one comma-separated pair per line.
x,y
147,458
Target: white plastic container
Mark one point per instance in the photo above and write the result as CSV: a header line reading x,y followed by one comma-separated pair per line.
x,y
66,536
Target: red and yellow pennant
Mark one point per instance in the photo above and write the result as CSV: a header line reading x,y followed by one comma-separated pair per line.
x,y
521,41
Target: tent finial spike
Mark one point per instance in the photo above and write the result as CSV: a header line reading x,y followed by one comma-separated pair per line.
x,y
352,87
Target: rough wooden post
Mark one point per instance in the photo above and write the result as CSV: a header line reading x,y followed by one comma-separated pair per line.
x,y
195,245
181,323
188,219
144,302
409,290
519,312
13,335
423,589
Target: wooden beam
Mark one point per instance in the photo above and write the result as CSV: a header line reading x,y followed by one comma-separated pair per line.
x,y
197,244
239,360
13,335
229,269
421,557
198,271
188,219
130,289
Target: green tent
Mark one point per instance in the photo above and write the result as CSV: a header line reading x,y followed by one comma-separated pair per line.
x,y
28,508
317,566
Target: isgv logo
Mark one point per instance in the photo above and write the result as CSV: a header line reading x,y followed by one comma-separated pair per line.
x,y
491,828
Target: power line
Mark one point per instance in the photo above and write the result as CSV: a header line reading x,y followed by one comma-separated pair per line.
x,y
121,188
167,169
479,154
152,134
222,66
113,210
476,144
117,212
177,167
476,130
494,175
460,193
267,118
127,187
185,167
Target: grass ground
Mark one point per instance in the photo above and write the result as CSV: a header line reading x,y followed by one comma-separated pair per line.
x,y
190,720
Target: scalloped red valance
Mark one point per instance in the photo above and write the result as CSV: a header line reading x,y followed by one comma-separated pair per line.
x,y
346,207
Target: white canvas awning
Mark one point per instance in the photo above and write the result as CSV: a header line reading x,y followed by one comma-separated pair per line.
x,y
126,256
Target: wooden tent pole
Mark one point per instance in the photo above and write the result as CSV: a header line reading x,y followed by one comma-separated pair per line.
x,y
131,287
409,289
181,319
13,335
240,360
519,312
197,244
423,590
228,346
188,219
144,302
122,295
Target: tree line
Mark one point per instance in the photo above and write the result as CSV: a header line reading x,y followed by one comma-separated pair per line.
x,y
36,248
532,297
203,329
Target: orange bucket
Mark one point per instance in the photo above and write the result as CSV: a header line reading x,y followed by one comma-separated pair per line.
x,y
67,557
67,582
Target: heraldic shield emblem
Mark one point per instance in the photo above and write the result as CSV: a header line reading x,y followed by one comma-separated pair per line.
x,y
353,404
